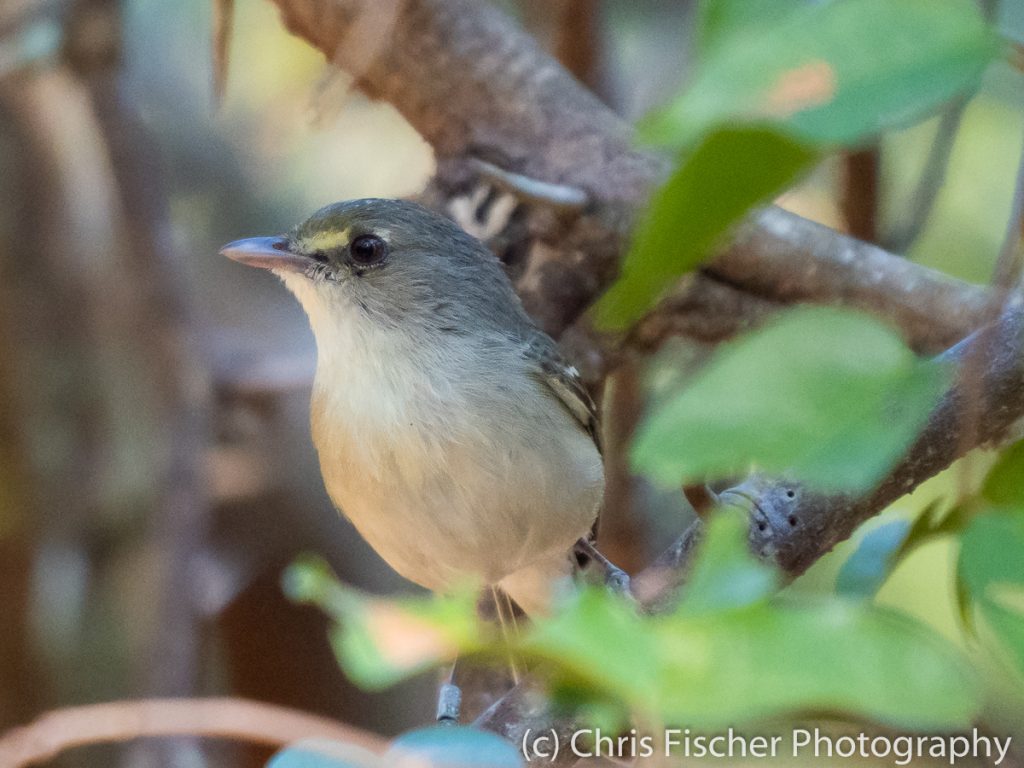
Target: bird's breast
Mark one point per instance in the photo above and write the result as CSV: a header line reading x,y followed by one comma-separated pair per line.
x,y
448,481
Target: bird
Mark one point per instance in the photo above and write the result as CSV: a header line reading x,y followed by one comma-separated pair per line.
x,y
450,430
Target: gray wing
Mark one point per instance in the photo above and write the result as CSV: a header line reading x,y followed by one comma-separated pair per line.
x,y
564,382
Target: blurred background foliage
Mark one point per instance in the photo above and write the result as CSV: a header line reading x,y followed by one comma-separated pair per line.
x,y
137,558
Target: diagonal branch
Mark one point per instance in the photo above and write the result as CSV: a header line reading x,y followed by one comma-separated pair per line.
x,y
794,526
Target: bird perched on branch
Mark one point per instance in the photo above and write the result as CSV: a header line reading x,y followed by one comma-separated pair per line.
x,y
449,429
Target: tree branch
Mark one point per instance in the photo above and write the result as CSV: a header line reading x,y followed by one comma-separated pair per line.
x,y
508,103
783,257
222,718
794,526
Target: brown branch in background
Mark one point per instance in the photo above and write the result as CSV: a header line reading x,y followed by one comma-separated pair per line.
x,y
621,536
223,24
162,302
171,364
220,718
571,31
859,193
22,683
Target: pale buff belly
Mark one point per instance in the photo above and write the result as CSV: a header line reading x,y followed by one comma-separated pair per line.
x,y
474,508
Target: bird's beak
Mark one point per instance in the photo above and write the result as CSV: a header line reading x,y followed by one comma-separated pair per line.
x,y
266,253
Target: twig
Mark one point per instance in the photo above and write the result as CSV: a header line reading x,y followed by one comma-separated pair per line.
x,y
859,192
1010,263
932,178
221,718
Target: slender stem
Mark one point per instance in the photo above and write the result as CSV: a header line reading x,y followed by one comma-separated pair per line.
x,y
221,718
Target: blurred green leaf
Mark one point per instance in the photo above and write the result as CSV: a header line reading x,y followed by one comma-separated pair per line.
x,y
991,566
829,396
834,73
380,642
753,658
1009,625
730,171
749,659
864,572
1004,485
323,753
725,574
453,747
929,526
717,20
769,660
885,547
597,641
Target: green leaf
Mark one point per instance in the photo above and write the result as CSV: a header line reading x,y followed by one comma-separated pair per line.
x,y
1004,485
864,572
725,574
730,171
829,396
834,73
885,547
598,641
452,747
718,20
928,526
765,660
324,753
991,567
772,660
1009,626
380,642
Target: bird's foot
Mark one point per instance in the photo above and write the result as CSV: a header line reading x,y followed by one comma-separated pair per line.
x,y
614,578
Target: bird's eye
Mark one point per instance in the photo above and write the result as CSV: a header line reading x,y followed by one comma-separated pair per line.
x,y
367,250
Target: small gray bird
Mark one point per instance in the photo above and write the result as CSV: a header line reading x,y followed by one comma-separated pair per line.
x,y
450,431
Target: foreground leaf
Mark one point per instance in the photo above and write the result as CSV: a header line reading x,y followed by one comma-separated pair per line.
x,y
992,571
885,547
725,575
324,753
1004,485
864,572
720,20
829,396
380,642
726,655
452,747
836,72
729,172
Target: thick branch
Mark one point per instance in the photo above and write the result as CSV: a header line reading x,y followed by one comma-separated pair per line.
x,y
794,526
786,258
477,87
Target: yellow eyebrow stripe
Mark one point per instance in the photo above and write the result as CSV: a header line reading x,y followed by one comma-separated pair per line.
x,y
327,241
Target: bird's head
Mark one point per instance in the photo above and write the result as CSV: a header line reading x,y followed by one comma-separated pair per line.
x,y
389,262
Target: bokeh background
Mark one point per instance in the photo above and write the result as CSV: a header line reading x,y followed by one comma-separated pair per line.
x,y
156,472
